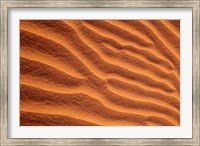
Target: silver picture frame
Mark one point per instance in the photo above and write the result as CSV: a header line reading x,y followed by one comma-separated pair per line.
x,y
6,4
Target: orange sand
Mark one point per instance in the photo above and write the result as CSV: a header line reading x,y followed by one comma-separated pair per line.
x,y
110,72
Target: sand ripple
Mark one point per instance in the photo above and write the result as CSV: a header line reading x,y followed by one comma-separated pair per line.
x,y
107,72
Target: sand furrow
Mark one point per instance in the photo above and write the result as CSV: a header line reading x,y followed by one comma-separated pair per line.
x,y
167,37
135,90
105,38
38,26
43,119
77,101
55,62
28,81
143,55
54,49
82,116
172,28
164,49
128,49
175,24
125,103
95,60
131,62
33,68
115,32
160,47
125,55
122,25
99,72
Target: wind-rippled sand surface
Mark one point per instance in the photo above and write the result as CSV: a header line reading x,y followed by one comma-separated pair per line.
x,y
99,72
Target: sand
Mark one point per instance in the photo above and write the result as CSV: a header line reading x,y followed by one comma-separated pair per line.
x,y
99,72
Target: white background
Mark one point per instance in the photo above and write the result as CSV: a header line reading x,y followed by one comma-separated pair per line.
x,y
183,131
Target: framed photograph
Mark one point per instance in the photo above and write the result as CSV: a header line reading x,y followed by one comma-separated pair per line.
x,y
100,72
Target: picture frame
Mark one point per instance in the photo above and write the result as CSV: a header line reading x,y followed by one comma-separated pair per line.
x,y
5,5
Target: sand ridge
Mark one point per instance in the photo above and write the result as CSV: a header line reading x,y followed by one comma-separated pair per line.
x,y
100,72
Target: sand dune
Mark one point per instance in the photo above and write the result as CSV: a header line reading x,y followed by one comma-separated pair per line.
x,y
99,72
